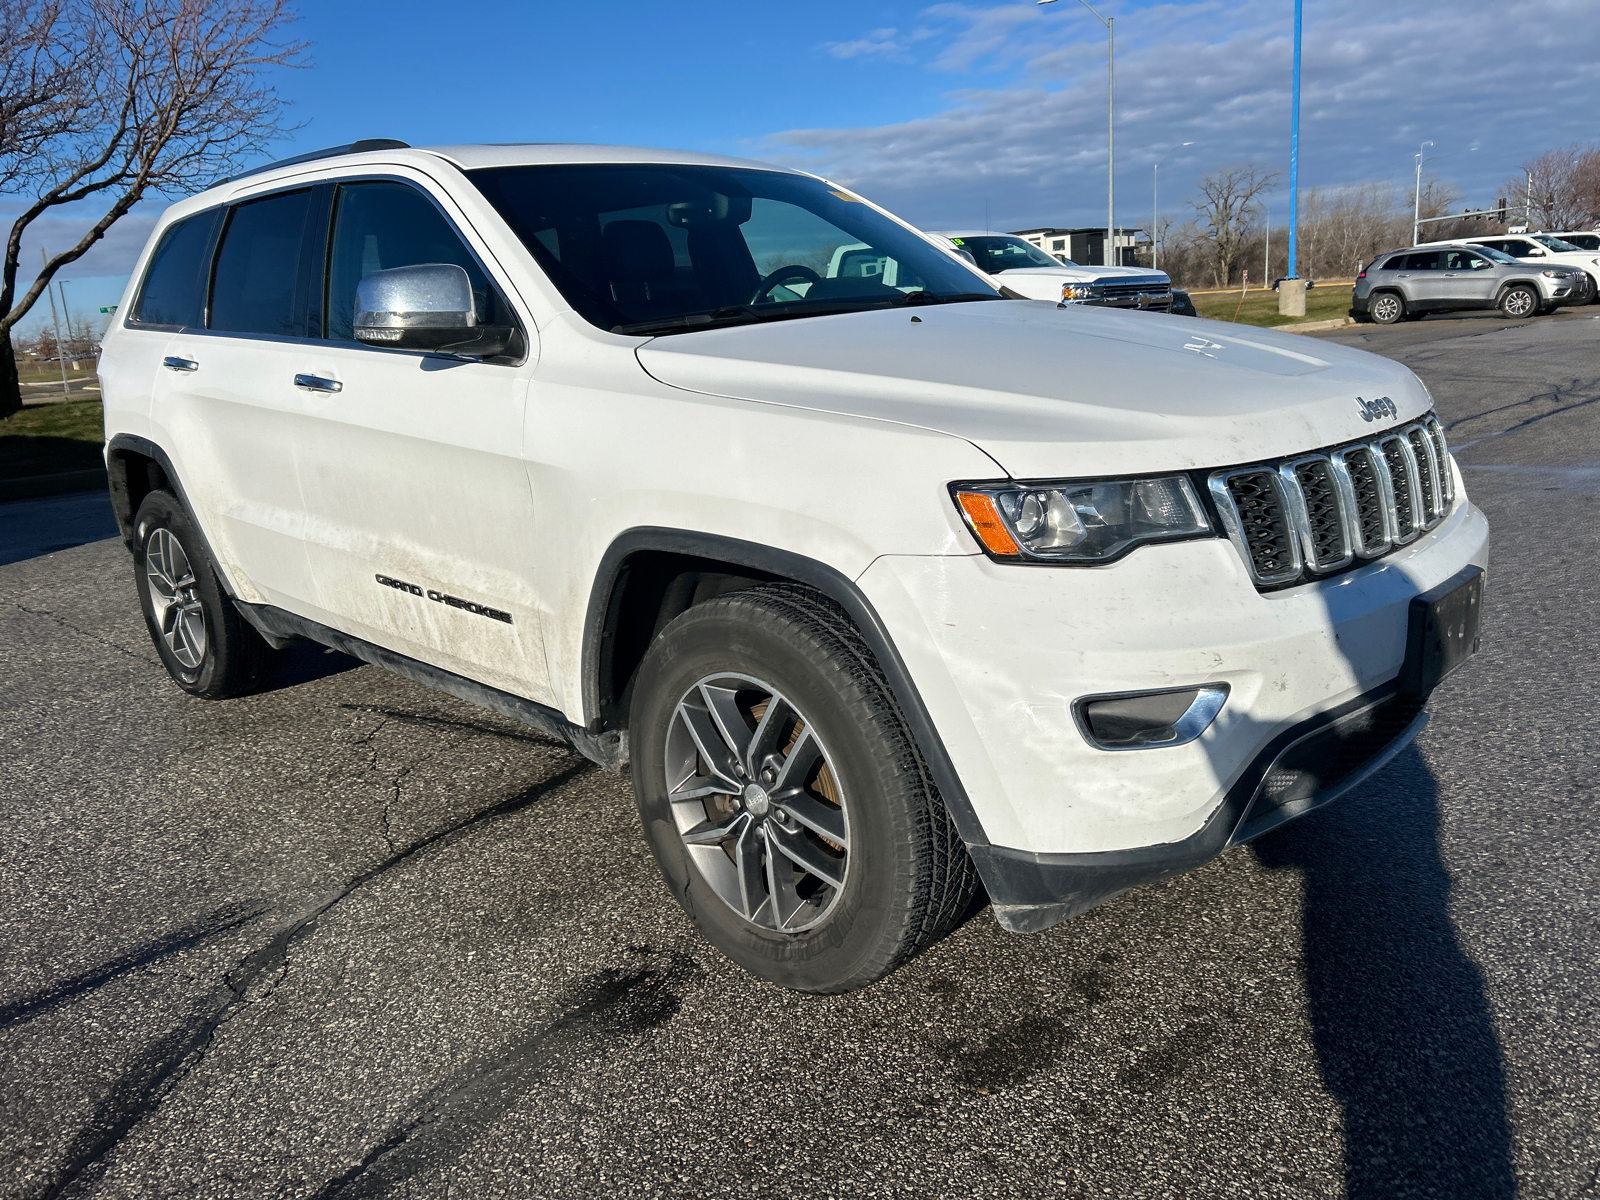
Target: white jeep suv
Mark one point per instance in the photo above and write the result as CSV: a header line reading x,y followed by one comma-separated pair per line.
x,y
1029,271
884,592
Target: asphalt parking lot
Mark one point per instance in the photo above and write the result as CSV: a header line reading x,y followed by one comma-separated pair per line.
x,y
351,938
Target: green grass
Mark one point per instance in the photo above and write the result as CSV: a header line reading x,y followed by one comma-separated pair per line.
x,y
45,439
1261,307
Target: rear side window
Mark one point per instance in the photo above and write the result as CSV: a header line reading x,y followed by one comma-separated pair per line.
x,y
379,225
254,284
174,291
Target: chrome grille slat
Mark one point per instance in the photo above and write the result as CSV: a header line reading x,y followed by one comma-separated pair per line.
x,y
1317,514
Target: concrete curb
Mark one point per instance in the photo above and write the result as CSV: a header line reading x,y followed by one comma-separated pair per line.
x,y
94,479
1312,326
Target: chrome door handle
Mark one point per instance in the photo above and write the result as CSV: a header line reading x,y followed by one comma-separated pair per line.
x,y
173,363
316,383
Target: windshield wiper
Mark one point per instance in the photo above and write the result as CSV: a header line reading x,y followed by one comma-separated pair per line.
x,y
956,298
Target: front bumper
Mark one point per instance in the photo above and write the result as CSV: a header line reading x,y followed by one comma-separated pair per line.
x,y
999,653
1142,301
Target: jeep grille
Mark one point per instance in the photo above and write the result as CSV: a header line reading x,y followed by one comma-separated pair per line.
x,y
1318,514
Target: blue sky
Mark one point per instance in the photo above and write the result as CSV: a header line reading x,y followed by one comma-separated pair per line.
x,y
946,111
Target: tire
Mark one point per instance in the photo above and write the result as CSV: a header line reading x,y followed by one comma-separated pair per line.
x,y
207,647
1386,308
891,875
1520,302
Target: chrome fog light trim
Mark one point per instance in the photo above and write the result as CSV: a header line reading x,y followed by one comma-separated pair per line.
x,y
1148,720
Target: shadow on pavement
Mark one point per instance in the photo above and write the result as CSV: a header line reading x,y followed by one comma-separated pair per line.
x,y
306,662
1400,1021
30,528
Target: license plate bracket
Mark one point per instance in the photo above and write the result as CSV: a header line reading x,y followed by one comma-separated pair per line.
x,y
1443,631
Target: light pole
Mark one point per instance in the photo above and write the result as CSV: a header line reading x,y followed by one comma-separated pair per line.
x,y
1416,196
1155,204
1294,147
60,349
1111,129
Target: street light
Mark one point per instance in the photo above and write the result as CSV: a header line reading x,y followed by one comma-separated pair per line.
x,y
1111,129
1416,196
1155,204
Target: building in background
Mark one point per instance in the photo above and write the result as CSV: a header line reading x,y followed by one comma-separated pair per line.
x,y
1087,246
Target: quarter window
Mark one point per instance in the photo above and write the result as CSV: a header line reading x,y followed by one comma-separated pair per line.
x,y
379,225
174,291
253,288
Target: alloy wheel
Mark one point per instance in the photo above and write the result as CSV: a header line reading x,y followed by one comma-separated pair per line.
x,y
1519,303
175,598
1385,309
757,803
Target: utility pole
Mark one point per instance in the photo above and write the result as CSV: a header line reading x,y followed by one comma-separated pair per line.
x,y
61,352
1416,196
1266,258
1292,292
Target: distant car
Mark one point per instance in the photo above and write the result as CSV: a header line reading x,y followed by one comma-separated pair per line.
x,y
1544,249
1422,279
1029,271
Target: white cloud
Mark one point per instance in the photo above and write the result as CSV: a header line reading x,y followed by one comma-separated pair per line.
x,y
1513,78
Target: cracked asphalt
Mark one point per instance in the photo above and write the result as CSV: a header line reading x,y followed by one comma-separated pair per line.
x,y
351,938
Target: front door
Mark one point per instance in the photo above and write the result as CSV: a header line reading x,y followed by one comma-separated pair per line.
x,y
1469,279
420,516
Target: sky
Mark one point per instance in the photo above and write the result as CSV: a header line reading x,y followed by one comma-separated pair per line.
x,y
952,114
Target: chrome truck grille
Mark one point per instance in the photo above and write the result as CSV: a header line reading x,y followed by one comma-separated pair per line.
x,y
1319,514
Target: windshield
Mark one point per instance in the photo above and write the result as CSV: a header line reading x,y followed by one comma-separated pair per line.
x,y
997,253
1499,256
665,248
1552,243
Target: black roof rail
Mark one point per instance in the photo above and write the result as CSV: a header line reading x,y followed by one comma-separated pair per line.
x,y
360,147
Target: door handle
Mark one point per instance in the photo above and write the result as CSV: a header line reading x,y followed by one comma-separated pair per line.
x,y
173,363
316,383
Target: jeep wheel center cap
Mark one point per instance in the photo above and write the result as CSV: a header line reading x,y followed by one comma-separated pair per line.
x,y
755,800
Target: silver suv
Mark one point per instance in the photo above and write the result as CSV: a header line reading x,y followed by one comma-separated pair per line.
x,y
1413,282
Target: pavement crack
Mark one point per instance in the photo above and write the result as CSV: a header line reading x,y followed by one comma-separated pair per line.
x,y
173,1060
77,629
19,1011
1559,396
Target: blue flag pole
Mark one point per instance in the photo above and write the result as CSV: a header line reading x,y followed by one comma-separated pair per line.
x,y
1294,146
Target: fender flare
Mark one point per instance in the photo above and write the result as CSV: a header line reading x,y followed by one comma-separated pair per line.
x,y
783,564
124,509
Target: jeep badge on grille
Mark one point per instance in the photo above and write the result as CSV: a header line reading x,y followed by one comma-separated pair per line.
x,y
1372,410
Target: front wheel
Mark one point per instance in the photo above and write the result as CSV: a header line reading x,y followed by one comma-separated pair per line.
x,y
1520,302
206,646
783,798
1386,308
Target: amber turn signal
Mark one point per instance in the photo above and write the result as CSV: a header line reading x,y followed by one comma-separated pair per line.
x,y
985,520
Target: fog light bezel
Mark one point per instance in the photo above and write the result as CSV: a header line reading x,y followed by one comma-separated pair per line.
x,y
1209,700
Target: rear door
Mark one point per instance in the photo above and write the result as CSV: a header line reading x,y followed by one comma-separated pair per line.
x,y
421,523
225,404
1422,279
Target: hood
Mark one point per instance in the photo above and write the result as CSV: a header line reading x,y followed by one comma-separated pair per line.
x,y
1080,274
1051,391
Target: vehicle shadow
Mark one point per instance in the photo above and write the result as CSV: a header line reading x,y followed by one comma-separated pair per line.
x,y
1399,1016
305,662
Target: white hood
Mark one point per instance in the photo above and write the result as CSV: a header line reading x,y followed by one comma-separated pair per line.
x,y
1049,391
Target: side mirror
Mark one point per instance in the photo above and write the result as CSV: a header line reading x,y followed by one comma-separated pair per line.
x,y
425,307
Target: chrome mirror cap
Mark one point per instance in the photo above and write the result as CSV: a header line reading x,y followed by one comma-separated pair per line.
x,y
425,296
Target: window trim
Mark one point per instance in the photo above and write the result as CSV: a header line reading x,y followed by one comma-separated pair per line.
x,y
325,231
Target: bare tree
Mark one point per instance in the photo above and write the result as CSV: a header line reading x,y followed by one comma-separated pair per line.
x,y
115,100
1227,211
1558,190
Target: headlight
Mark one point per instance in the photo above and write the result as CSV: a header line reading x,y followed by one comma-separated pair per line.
x,y
1081,522
1558,274
1081,291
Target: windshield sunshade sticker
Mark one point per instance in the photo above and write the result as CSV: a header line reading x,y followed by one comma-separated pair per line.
x,y
471,606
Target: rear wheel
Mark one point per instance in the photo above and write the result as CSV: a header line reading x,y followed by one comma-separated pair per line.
x,y
207,647
783,797
1386,308
1520,301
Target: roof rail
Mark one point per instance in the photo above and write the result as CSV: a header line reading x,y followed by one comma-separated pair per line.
x,y
360,147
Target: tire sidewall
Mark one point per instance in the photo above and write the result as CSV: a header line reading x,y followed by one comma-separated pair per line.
x,y
161,510
1375,307
873,903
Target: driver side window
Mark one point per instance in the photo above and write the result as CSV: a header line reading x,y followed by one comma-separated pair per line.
x,y
382,224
